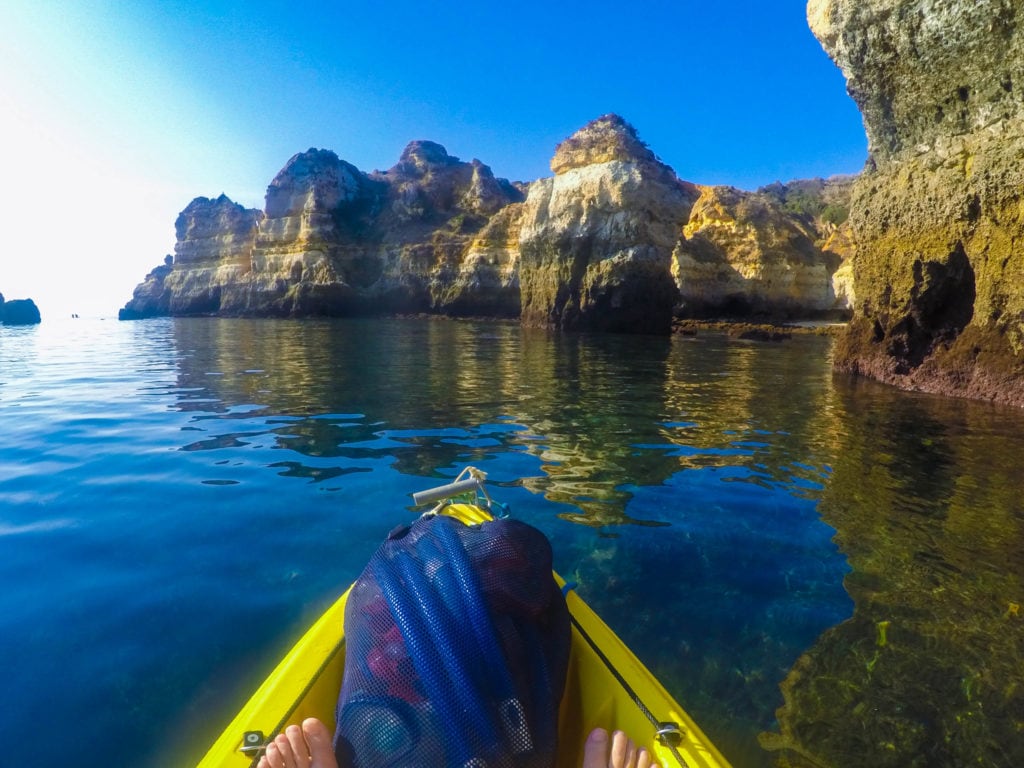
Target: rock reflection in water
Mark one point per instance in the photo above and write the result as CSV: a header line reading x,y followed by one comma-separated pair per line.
x,y
739,448
602,413
927,500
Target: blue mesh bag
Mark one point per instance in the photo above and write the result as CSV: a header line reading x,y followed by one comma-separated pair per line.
x,y
457,643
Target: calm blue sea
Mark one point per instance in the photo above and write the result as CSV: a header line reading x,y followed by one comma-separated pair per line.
x,y
823,571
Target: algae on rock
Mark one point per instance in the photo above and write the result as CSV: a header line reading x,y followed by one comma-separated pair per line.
x,y
937,216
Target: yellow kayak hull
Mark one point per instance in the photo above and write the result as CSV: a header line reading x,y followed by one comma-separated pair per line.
x,y
606,686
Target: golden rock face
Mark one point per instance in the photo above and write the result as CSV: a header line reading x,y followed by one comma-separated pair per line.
x,y
937,217
590,249
596,240
746,248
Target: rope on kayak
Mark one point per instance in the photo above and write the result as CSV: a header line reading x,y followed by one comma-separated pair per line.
x,y
668,734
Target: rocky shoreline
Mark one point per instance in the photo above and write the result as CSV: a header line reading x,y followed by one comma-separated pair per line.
x,y
921,251
937,215
754,331
614,241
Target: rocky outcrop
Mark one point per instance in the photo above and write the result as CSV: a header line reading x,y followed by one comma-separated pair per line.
x,y
591,248
486,281
768,253
442,233
937,217
19,312
212,258
151,298
333,240
823,206
303,261
597,239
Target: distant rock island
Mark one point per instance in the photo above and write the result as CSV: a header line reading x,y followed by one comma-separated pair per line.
x,y
19,312
614,241
938,216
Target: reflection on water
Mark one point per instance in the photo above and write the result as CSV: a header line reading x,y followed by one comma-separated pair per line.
x,y
601,413
927,500
199,488
738,452
718,450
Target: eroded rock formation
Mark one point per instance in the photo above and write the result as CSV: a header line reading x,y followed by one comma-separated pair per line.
x,y
597,239
590,249
333,240
937,217
776,252
19,312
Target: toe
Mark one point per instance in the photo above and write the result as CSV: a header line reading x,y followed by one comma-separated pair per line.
x,y
620,750
595,749
318,738
286,758
297,746
272,756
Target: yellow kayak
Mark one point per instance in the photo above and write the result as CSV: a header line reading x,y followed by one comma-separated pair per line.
x,y
606,686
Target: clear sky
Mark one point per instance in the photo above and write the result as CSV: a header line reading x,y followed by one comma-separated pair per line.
x,y
115,114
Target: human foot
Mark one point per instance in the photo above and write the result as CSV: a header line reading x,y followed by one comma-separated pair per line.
x,y
305,747
600,751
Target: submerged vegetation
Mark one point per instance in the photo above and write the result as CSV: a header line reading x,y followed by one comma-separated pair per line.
x,y
926,503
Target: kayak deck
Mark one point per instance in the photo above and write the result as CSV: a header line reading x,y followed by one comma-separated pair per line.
x,y
606,686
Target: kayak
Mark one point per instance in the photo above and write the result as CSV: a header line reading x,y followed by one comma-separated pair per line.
x,y
606,684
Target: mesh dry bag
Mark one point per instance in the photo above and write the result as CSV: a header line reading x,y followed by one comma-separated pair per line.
x,y
457,643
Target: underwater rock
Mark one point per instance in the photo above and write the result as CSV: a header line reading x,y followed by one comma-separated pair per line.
x,y
926,671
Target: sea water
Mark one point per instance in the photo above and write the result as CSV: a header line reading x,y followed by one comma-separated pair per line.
x,y
822,571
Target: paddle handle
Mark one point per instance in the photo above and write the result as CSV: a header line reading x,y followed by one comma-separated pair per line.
x,y
445,491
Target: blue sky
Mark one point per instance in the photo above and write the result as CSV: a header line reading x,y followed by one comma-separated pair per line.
x,y
117,114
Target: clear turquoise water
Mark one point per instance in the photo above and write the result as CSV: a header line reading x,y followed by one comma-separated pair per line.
x,y
179,499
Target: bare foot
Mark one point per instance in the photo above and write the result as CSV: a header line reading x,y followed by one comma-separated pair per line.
x,y
305,747
618,752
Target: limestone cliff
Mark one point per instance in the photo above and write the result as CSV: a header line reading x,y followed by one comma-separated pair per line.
x,y
442,232
823,206
212,258
306,258
597,239
590,248
937,217
746,253
333,240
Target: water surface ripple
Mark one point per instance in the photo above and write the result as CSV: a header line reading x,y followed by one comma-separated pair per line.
x,y
824,572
